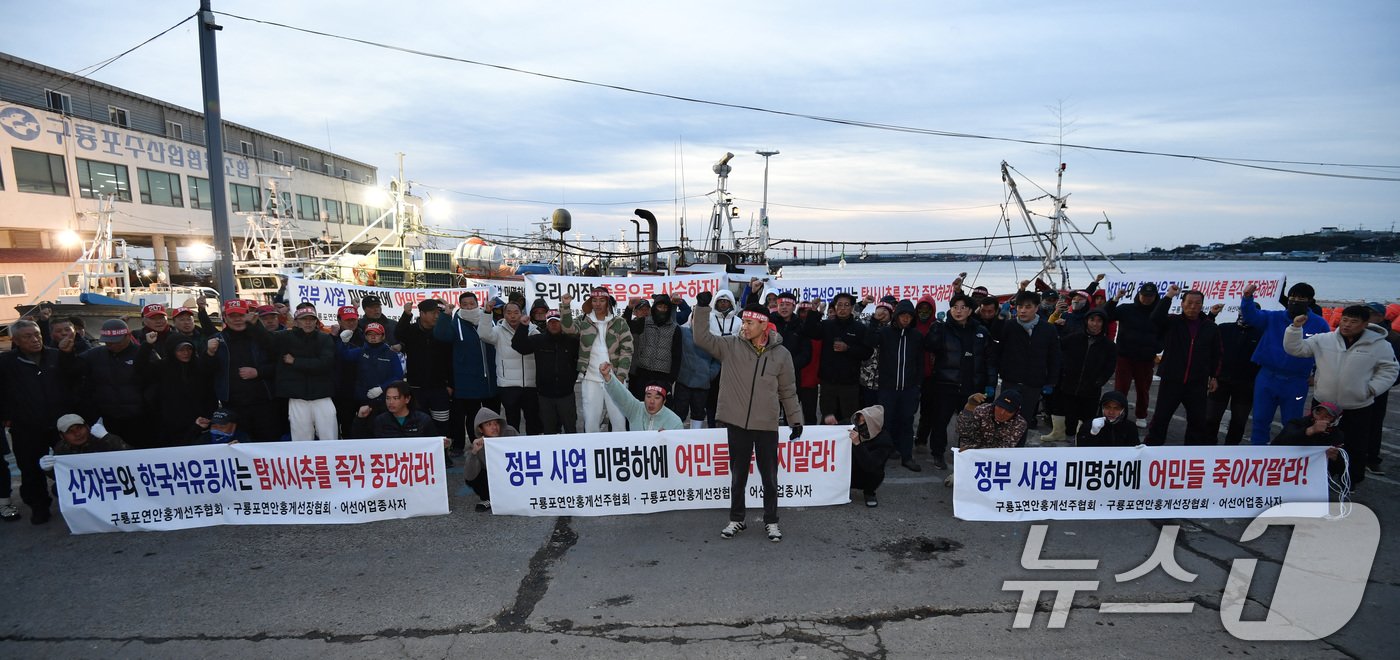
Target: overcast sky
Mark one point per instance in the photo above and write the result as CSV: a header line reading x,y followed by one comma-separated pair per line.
x,y
1284,80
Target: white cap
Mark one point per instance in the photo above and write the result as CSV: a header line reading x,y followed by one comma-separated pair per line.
x,y
67,421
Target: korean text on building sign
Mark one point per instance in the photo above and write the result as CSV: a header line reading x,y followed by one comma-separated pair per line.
x,y
599,474
1141,482
344,481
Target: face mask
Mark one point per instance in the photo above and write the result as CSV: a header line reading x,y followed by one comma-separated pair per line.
x,y
863,430
1297,309
220,436
1078,306
924,314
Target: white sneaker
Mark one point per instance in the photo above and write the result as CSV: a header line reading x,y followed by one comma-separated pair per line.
x,y
731,529
774,534
1141,423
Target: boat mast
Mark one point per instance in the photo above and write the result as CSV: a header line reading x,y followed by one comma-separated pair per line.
x,y
720,215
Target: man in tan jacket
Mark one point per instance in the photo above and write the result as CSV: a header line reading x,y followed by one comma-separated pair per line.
x,y
757,376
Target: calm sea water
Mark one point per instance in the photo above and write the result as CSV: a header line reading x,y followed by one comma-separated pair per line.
x,y
1335,281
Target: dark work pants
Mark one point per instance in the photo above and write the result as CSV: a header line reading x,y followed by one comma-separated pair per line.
x,y
481,485
807,397
6,485
744,444
521,402
462,412
1362,446
639,379
30,445
1236,396
1078,409
1377,424
939,403
689,401
928,392
1170,396
558,414
899,417
1138,374
260,420
712,403
841,401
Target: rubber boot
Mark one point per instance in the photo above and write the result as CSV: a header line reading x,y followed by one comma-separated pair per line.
x,y
1057,431
697,424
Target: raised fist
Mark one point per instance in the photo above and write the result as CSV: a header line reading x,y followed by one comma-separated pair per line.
x,y
152,337
1173,290
212,347
1249,290
703,299
565,300
1299,320
605,370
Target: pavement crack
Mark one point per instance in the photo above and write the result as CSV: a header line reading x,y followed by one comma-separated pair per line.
x,y
536,581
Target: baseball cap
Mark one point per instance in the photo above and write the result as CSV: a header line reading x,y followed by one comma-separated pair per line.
x,y
67,421
152,310
236,307
1332,409
223,416
181,311
371,301
114,330
305,312
374,327
1009,401
429,305
552,315
267,310
348,312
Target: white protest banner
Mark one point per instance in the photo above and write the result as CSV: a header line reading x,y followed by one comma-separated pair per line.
x,y
604,474
329,296
902,287
1077,483
624,289
1219,288
261,483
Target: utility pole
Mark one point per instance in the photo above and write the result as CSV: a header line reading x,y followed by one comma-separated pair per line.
x,y
763,212
214,142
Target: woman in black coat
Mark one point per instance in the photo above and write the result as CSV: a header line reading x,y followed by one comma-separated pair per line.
x,y
1088,358
178,386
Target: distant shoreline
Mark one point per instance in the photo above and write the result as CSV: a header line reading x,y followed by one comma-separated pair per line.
x,y
1132,256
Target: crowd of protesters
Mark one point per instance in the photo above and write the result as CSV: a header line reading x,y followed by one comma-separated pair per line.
x,y
898,371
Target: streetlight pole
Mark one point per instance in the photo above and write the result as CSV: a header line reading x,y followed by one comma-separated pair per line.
x,y
214,141
763,212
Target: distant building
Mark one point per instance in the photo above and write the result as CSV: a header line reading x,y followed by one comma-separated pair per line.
x,y
66,141
1328,231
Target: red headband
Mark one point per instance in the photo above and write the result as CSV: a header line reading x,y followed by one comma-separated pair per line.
x,y
755,316
656,389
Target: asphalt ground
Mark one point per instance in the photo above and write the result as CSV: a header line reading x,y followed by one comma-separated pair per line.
x,y
906,579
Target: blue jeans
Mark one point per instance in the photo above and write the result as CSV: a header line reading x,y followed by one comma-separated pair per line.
x,y
900,406
1274,391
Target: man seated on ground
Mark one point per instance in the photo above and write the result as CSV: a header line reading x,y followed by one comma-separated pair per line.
x,y
1320,429
75,437
221,428
1113,429
871,448
990,425
651,414
399,420
488,424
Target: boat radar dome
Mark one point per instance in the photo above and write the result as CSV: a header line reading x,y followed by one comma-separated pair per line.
x,y
561,220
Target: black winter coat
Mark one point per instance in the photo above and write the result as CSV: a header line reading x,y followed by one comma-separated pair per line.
x,y
1121,434
1088,363
1237,346
311,375
1137,335
110,387
417,424
963,355
1029,359
1184,359
429,360
35,392
838,368
556,359
251,347
901,355
793,340
183,393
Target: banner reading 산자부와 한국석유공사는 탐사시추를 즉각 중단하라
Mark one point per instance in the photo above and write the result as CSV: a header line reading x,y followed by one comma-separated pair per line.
x,y
263,483
603,474
1225,289
1081,483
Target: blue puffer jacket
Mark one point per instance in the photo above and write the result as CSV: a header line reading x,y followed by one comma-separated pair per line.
x,y
375,366
1270,354
473,361
697,367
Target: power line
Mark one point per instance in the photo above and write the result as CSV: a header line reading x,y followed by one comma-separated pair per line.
x,y
1251,163
548,203
78,75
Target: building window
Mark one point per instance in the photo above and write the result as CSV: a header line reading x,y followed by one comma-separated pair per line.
x,y
118,116
160,188
246,147
286,204
277,156
354,214
38,172
200,195
308,208
245,199
304,163
175,130
13,285
333,213
59,101
96,178
344,173
328,168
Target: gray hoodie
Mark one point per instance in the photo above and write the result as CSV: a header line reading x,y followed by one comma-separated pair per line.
x,y
1352,377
